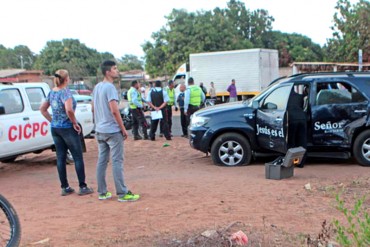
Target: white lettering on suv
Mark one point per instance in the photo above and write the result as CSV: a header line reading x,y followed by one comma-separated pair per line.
x,y
328,126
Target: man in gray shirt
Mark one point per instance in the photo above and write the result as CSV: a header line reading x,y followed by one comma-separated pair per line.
x,y
110,134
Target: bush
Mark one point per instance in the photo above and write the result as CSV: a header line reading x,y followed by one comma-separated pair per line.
x,y
357,230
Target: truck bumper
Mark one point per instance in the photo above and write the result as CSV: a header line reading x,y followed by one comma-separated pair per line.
x,y
197,139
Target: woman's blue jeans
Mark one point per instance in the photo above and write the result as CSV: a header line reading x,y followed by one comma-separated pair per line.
x,y
64,139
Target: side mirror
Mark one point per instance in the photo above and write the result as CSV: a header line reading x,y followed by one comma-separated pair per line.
x,y
271,106
2,110
255,104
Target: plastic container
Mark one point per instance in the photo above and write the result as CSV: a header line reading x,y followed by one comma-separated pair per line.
x,y
275,170
283,166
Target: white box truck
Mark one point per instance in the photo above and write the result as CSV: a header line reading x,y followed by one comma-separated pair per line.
x,y
252,69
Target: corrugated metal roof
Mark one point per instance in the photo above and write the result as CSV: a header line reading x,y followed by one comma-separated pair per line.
x,y
10,72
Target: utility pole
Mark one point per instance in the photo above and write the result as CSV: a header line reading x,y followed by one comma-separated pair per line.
x,y
21,61
359,60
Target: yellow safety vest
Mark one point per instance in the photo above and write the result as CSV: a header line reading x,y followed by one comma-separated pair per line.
x,y
132,105
195,95
171,95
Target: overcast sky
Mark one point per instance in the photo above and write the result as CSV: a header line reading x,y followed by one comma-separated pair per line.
x,y
122,26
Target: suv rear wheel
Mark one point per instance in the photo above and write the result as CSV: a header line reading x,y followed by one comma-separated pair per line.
x,y
231,149
361,148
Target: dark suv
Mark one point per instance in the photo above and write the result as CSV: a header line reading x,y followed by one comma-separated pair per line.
x,y
337,107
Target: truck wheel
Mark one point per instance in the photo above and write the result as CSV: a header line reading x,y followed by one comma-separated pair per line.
x,y
70,159
361,148
231,149
10,160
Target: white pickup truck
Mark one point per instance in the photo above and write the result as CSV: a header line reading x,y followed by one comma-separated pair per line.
x,y
22,127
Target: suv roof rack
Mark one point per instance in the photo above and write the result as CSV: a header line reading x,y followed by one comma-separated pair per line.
x,y
348,73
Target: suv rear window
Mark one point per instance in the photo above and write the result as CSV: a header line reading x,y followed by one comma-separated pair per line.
x,y
337,93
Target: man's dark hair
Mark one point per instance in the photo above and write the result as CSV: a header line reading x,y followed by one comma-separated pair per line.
x,y
190,81
106,66
158,84
133,83
170,82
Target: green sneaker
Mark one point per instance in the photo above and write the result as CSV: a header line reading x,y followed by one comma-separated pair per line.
x,y
129,197
105,196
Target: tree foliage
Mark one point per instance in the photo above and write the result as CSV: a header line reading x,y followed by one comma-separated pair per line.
x,y
72,55
350,32
16,58
232,28
130,62
292,47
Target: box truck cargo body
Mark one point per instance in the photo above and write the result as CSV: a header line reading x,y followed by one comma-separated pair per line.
x,y
252,69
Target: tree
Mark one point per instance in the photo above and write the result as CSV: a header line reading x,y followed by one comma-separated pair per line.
x,y
130,62
350,32
6,58
232,28
155,55
25,55
71,55
201,31
20,56
292,47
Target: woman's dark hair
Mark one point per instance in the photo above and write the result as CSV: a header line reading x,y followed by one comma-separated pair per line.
x,y
106,66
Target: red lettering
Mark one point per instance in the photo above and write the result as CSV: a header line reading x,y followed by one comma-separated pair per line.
x,y
27,131
35,128
44,129
20,132
12,137
27,134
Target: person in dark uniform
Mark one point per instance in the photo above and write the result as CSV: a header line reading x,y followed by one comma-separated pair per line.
x,y
180,102
172,102
297,123
157,100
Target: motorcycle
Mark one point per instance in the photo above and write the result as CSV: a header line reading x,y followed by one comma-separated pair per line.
x,y
128,121
208,103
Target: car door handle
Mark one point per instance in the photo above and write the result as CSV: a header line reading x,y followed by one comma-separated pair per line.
x,y
278,119
26,118
360,111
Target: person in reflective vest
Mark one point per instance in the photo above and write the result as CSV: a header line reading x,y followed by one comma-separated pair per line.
x,y
172,102
136,108
194,97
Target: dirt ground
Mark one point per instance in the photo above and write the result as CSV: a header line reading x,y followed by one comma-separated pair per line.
x,y
182,195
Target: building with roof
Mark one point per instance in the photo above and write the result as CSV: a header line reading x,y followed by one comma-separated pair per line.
x,y
20,75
